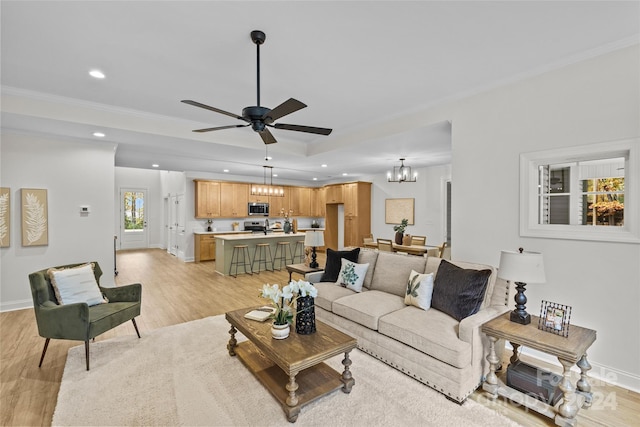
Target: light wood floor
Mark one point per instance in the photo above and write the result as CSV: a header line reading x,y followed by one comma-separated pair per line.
x,y
176,292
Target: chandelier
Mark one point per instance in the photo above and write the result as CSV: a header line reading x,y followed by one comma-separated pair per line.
x,y
402,174
265,189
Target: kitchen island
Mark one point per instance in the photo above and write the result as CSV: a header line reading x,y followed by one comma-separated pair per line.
x,y
226,242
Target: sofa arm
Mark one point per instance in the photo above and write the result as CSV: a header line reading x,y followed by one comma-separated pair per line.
x,y
126,293
68,321
473,322
314,277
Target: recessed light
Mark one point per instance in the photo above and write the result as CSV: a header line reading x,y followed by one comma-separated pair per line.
x,y
268,158
344,174
99,134
225,170
315,179
275,174
155,165
324,166
97,74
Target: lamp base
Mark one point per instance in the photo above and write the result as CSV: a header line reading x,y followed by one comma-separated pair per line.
x,y
521,317
314,263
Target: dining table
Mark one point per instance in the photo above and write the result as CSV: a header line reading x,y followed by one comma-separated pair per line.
x,y
410,249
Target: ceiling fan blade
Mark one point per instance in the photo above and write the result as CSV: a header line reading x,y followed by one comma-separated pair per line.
x,y
267,136
217,110
220,128
287,107
307,129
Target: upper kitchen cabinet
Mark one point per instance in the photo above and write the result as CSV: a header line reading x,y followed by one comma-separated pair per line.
x,y
300,201
254,198
334,194
278,203
318,201
234,198
207,197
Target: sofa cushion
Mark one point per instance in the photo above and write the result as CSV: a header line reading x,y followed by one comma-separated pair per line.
x,y
367,307
459,292
76,285
431,332
368,256
352,275
332,265
419,290
328,292
392,271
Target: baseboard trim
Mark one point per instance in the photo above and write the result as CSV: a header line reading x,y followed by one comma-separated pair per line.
x,y
599,372
16,305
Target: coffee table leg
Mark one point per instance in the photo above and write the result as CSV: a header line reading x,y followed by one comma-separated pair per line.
x,y
232,341
292,409
347,378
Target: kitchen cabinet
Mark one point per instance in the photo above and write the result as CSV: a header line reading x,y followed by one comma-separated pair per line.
x,y
318,202
300,201
277,203
207,197
234,198
357,215
334,194
263,198
204,247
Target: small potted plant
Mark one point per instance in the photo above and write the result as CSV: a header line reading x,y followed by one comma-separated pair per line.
x,y
399,229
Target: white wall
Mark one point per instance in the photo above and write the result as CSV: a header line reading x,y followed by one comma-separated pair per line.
x,y
593,101
74,173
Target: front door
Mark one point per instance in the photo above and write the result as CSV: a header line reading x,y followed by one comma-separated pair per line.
x,y
133,225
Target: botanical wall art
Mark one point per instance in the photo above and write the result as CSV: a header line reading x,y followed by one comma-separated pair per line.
x,y
396,210
5,217
35,229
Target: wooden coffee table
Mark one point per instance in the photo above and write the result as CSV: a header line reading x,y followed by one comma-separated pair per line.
x,y
292,369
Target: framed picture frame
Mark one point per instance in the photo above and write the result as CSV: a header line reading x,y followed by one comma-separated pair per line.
x,y
554,318
5,217
397,209
35,226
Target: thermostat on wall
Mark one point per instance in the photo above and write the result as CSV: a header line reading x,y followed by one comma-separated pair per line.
x,y
85,209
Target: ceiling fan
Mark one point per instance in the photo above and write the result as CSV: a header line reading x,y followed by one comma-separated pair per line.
x,y
259,117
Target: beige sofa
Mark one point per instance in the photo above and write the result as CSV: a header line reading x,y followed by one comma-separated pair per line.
x,y
429,345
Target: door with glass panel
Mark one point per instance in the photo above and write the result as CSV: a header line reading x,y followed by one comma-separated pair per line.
x,y
133,221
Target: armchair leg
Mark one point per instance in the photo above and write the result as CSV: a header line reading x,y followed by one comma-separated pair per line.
x,y
44,350
86,352
135,326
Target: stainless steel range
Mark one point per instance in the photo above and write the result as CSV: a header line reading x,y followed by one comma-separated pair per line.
x,y
257,226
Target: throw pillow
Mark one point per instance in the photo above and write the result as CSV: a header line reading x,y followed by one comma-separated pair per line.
x,y
333,265
459,292
77,284
419,290
352,275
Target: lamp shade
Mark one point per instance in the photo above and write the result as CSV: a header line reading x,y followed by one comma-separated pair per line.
x,y
525,267
314,238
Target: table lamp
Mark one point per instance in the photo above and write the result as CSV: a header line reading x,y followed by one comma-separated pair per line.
x,y
314,239
521,268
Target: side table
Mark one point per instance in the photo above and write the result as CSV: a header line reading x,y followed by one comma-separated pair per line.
x,y
301,269
571,350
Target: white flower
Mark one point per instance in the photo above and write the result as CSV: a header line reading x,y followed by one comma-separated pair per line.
x,y
287,293
271,292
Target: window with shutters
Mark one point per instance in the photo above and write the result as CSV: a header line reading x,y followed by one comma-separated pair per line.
x,y
585,193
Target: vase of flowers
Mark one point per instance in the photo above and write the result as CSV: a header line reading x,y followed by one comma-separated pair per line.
x,y
284,301
287,220
399,229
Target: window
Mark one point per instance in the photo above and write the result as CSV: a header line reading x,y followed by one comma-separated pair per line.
x,y
584,193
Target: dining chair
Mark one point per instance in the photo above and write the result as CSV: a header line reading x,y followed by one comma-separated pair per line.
x,y
445,251
385,245
418,240
367,239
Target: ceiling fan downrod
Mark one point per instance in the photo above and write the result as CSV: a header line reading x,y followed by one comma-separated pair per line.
x,y
258,37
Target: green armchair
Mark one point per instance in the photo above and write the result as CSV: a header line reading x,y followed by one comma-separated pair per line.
x,y
79,321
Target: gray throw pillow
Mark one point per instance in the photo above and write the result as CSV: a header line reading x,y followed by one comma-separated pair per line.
x,y
459,292
334,264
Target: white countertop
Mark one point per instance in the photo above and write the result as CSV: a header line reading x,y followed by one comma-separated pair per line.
x,y
257,236
222,232
310,229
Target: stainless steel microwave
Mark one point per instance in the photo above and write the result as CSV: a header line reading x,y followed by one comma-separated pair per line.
x,y
258,209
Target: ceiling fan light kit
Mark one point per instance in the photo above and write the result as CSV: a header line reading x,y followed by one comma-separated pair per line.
x,y
402,174
257,116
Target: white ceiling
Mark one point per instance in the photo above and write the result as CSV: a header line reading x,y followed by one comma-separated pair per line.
x,y
360,66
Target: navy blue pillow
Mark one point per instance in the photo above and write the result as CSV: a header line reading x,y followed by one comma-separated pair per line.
x,y
458,292
333,264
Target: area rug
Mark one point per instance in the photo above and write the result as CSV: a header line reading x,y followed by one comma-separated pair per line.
x,y
183,375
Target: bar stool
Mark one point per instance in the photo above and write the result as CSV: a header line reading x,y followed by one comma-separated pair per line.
x,y
298,252
283,254
237,251
260,256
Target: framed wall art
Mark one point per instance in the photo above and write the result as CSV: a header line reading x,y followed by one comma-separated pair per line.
x,y
35,227
397,209
554,318
5,217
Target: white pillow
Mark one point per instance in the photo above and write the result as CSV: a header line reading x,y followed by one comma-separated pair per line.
x,y
419,290
352,275
77,284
